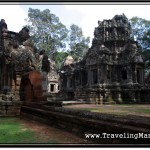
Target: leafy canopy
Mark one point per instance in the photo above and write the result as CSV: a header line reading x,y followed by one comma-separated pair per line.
x,y
141,32
47,32
77,42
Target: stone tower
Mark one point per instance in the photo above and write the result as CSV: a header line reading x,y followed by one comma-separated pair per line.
x,y
113,67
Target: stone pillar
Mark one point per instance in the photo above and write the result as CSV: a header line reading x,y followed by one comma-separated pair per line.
x,y
135,75
97,99
99,74
89,77
56,87
129,75
101,99
132,96
142,75
44,82
81,79
119,99
138,96
48,87
103,73
67,82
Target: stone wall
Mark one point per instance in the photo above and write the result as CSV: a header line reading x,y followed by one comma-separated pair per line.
x,y
112,69
84,122
31,87
145,95
9,105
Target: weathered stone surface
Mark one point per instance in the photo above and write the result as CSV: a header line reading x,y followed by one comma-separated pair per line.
x,y
81,122
31,88
10,108
111,71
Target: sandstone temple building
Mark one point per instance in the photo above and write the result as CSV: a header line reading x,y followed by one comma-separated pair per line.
x,y
111,71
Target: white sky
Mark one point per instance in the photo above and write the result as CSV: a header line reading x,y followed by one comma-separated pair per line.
x,y
85,16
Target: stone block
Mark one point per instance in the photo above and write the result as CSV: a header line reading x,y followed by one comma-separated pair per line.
x,y
31,87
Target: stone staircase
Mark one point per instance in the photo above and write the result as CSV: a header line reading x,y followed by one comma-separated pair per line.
x,y
85,95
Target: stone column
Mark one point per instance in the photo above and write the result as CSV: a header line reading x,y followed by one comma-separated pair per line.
x,y
103,73
138,96
99,74
48,89
129,75
56,87
44,82
135,75
67,82
89,77
81,79
6,77
143,75
132,96
101,99
119,99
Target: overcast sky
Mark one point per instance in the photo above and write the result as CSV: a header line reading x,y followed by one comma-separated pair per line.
x,y
85,16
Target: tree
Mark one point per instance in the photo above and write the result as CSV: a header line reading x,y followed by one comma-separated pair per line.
x,y
47,32
78,44
59,58
141,32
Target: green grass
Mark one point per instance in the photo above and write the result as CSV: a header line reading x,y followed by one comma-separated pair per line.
x,y
146,110
123,109
109,112
104,110
13,132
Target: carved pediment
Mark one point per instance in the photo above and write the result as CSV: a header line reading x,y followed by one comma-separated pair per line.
x,y
53,76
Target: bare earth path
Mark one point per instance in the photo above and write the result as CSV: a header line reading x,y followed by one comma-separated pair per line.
x,y
47,133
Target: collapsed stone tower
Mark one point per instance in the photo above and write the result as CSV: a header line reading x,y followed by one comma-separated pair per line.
x,y
23,71
112,70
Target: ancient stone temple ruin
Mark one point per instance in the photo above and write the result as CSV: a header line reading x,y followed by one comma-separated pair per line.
x,y
53,79
112,70
23,71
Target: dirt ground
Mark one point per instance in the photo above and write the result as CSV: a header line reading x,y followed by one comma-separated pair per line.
x,y
47,133
59,136
125,109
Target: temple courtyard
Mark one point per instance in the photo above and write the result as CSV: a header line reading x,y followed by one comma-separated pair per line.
x,y
15,130
116,109
106,91
20,130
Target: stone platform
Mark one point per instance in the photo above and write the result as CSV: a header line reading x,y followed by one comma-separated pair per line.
x,y
10,104
64,103
84,122
10,108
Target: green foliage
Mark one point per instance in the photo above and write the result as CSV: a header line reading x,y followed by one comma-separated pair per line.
x,y
77,42
141,32
59,58
47,32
